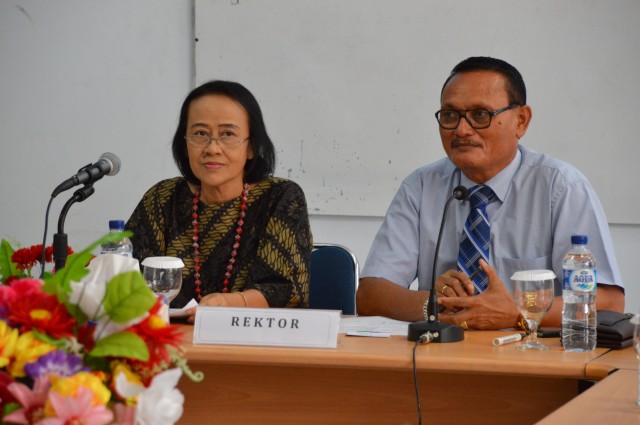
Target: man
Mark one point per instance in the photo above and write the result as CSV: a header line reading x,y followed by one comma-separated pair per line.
x,y
531,206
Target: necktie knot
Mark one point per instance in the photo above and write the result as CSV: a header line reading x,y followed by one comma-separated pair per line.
x,y
481,196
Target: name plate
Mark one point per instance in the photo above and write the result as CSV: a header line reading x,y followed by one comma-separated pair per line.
x,y
282,327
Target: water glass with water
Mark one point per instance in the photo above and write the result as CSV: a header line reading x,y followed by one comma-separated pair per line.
x,y
163,275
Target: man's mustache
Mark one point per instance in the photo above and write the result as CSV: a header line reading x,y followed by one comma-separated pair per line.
x,y
457,143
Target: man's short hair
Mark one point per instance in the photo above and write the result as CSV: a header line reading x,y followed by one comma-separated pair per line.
x,y
516,90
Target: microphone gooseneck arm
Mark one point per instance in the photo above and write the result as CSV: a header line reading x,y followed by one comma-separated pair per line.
x,y
60,241
460,193
431,330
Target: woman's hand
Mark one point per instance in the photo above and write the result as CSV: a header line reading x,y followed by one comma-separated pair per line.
x,y
212,300
248,298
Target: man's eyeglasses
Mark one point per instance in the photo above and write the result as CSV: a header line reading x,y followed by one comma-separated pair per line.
x,y
477,118
203,140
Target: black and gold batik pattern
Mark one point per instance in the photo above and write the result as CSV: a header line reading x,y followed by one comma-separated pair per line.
x,y
275,248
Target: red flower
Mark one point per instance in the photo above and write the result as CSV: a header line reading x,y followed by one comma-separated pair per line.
x,y
26,258
85,335
10,279
28,307
158,336
17,288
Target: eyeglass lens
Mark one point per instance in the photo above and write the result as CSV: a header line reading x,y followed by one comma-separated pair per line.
x,y
478,119
205,140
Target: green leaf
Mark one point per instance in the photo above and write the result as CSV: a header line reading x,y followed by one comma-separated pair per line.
x,y
97,363
9,408
122,344
75,268
76,312
59,284
128,297
7,267
60,343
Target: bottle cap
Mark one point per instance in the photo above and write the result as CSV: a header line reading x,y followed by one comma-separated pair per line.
x,y
579,239
163,262
531,275
116,224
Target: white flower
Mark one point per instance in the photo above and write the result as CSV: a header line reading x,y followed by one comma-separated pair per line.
x,y
126,388
106,327
161,403
89,293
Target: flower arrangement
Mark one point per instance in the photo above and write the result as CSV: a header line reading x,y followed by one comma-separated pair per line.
x,y
77,351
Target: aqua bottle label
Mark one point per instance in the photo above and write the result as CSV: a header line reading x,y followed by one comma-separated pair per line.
x,y
579,280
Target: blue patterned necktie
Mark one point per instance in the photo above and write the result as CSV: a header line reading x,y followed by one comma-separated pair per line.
x,y
474,244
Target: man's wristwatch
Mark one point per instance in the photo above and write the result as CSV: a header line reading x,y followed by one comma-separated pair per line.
x,y
522,323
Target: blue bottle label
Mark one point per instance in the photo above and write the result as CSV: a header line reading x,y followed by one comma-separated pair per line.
x,y
579,280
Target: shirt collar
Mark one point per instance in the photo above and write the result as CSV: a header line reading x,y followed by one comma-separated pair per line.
x,y
500,182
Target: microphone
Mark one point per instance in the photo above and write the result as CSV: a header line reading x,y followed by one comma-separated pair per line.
x,y
431,329
108,164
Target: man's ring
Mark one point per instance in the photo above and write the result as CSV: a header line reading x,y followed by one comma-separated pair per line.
x,y
464,325
445,286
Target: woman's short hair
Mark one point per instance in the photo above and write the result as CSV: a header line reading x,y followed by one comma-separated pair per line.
x,y
263,162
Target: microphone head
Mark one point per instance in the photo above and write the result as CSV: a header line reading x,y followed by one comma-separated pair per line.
x,y
461,193
113,160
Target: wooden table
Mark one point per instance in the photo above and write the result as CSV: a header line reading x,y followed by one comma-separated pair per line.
x,y
610,401
611,361
370,381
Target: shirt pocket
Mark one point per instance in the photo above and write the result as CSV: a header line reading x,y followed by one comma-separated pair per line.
x,y
519,264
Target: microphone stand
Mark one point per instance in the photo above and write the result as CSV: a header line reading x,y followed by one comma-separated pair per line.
x,y
432,330
60,244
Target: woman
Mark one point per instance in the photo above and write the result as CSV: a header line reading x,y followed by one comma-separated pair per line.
x,y
244,236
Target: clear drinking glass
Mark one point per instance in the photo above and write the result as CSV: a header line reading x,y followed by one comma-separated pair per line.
x,y
163,275
533,294
636,345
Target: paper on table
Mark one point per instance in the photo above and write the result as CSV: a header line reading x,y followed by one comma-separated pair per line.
x,y
182,312
369,334
370,325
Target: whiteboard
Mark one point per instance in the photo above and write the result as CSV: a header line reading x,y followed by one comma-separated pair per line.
x,y
349,88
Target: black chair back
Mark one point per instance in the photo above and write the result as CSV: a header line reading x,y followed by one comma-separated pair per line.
x,y
333,278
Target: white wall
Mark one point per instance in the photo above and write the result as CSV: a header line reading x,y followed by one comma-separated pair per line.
x,y
79,78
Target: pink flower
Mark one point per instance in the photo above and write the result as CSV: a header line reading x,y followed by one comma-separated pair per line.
x,y
77,410
125,415
32,402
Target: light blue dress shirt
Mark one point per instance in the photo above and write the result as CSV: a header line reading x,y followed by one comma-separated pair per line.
x,y
541,202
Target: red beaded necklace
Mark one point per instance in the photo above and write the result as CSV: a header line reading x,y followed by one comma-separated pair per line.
x,y
236,244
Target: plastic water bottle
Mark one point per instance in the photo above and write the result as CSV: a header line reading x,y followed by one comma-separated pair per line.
x,y
122,246
579,297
